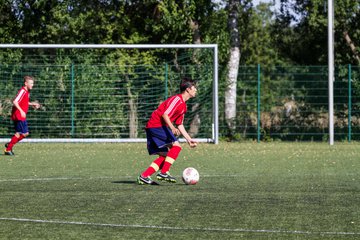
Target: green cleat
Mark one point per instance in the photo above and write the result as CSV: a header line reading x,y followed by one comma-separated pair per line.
x,y
145,180
9,153
166,177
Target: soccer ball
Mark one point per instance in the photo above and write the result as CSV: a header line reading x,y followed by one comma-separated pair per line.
x,y
190,176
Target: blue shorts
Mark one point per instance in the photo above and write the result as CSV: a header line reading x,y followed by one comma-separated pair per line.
x,y
158,139
21,127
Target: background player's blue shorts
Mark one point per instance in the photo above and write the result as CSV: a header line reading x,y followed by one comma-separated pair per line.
x,y
21,127
158,139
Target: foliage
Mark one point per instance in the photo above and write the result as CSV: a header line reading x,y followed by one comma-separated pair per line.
x,y
301,30
294,34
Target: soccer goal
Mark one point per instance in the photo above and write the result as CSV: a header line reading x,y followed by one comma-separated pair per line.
x,y
106,93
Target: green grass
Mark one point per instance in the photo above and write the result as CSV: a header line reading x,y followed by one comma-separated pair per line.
x,y
246,191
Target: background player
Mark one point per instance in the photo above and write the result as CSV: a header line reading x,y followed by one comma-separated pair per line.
x,y
20,108
161,132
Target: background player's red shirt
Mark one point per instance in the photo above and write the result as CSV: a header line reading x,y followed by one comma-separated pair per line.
x,y
174,107
22,98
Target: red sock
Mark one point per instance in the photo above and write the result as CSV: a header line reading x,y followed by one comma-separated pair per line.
x,y
170,158
13,141
154,166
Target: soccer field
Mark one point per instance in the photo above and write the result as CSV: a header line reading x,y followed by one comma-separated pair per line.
x,y
246,191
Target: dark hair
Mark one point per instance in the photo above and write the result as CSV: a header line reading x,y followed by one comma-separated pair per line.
x,y
186,83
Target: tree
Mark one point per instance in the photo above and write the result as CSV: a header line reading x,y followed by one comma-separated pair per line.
x,y
9,23
301,31
233,67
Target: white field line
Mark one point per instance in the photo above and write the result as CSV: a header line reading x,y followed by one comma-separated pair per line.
x,y
50,179
176,228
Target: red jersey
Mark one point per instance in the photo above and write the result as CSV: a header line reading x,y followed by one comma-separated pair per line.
x,y
22,98
174,107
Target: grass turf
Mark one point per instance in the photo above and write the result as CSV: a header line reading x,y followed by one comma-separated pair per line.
x,y
246,191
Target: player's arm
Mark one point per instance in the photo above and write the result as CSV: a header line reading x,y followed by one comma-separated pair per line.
x,y
167,120
35,104
192,143
16,104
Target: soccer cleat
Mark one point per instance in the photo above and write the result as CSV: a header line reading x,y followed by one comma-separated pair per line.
x,y
10,153
146,180
166,177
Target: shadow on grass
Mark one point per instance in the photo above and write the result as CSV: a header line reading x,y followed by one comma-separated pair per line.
x,y
125,182
134,182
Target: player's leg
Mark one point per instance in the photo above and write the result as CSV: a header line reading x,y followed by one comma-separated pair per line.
x,y
145,177
154,166
9,145
171,156
152,146
22,132
158,140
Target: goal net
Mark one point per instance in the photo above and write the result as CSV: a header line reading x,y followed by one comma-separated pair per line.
x,y
106,93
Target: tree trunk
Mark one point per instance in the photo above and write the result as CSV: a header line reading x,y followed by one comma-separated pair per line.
x,y
352,46
233,68
195,122
194,26
133,117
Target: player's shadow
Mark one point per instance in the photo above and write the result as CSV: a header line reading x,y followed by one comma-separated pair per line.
x,y
132,182
124,182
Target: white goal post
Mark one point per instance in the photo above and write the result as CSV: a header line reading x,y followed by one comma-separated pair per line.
x,y
215,103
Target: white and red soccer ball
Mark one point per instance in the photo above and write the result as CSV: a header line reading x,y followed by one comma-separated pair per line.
x,y
190,176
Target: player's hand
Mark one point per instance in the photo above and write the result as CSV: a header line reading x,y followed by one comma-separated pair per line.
x,y
175,131
36,105
23,114
192,143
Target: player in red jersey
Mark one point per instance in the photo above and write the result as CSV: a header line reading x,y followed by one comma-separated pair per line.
x,y
161,132
18,116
